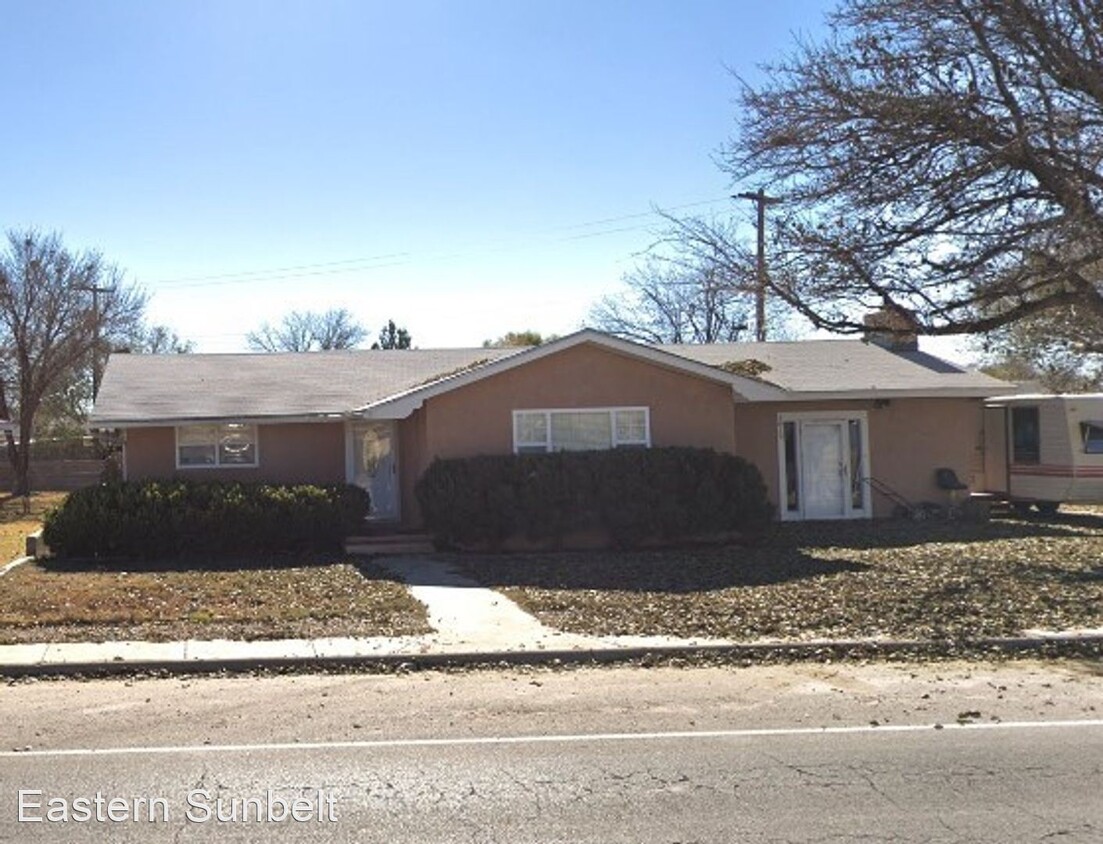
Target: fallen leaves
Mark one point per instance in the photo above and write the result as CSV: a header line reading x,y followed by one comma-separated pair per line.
x,y
227,600
894,579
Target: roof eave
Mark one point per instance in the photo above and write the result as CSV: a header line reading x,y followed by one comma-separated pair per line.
x,y
893,393
96,422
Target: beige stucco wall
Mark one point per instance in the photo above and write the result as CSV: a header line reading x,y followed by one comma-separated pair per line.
x,y
478,419
412,451
908,440
289,453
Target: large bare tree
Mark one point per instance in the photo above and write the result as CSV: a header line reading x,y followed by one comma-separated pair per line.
x,y
57,310
666,302
944,157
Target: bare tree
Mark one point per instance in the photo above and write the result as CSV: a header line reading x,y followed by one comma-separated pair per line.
x,y
944,157
306,331
663,302
64,410
56,309
156,340
1050,348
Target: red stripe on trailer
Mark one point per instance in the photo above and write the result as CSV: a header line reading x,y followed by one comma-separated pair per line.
x,y
1047,471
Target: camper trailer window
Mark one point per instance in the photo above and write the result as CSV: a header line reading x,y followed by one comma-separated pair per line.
x,y
1025,434
1092,433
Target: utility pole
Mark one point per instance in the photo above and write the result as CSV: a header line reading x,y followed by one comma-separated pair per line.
x,y
761,200
96,374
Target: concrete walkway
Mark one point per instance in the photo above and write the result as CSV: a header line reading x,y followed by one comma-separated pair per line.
x,y
471,624
467,615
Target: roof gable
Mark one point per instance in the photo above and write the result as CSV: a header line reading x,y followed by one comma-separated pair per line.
x,y
402,403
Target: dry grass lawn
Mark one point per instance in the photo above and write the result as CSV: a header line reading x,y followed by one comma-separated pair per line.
x,y
306,597
15,524
839,580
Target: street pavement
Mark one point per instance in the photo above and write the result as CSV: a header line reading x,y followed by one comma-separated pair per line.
x,y
818,752
950,752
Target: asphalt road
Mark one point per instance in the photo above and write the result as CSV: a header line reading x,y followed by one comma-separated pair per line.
x,y
764,754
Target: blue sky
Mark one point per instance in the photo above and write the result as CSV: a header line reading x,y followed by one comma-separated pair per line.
x,y
465,168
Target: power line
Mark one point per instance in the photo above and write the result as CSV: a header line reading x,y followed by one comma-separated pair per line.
x,y
289,274
377,262
641,214
195,278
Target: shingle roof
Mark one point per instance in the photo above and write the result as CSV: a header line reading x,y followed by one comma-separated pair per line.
x,y
139,388
843,366
172,388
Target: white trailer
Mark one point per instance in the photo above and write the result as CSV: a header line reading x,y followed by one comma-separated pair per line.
x,y
1044,450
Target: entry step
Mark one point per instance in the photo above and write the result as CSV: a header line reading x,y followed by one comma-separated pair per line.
x,y
390,544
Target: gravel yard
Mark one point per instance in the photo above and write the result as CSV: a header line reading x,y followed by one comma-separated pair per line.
x,y
898,579
298,597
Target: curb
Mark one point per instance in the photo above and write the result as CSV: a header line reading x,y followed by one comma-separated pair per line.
x,y
18,561
795,651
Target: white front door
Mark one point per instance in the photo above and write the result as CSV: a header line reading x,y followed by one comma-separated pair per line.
x,y
373,465
823,463
823,470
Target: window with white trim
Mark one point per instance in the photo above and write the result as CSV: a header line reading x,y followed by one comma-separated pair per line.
x,y
204,446
581,429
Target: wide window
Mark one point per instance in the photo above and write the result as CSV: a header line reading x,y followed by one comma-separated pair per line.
x,y
1025,435
230,444
536,431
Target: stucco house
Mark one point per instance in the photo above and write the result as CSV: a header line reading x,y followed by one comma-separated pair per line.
x,y
818,417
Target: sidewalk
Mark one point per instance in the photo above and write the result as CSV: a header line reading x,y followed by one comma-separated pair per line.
x,y
472,624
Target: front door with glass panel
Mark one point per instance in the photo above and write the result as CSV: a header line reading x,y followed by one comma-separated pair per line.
x,y
374,466
823,466
823,470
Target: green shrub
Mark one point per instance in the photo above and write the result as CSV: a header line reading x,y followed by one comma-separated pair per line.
x,y
153,519
634,494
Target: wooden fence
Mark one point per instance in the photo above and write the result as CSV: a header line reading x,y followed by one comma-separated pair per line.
x,y
55,474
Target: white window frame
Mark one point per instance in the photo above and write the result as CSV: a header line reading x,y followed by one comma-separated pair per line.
x,y
187,467
845,417
612,411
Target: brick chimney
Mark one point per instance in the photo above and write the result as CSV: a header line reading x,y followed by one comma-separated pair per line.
x,y
892,328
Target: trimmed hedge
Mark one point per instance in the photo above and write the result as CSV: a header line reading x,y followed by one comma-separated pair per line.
x,y
155,519
634,495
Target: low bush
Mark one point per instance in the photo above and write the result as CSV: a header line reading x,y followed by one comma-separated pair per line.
x,y
633,495
153,519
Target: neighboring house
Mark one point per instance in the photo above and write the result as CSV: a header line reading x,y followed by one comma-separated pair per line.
x,y
818,417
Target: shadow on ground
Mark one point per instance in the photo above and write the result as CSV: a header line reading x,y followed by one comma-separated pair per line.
x,y
206,562
896,533
671,571
790,553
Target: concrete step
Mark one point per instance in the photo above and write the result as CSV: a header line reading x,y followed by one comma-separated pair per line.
x,y
390,544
